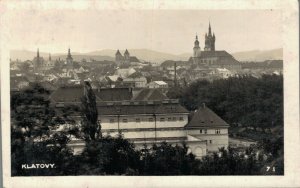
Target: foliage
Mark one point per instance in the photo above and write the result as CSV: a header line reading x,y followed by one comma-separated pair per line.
x,y
90,125
165,159
229,162
249,101
108,156
32,136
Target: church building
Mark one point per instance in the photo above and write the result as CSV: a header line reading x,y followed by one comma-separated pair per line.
x,y
126,59
210,57
40,64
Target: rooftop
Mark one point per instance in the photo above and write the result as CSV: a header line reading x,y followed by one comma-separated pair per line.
x,y
149,94
141,109
205,117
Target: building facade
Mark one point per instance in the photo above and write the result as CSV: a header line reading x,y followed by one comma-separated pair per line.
x,y
148,117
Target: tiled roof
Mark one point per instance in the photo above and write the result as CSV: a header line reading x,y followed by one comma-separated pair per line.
x,y
171,63
205,117
136,75
74,94
113,94
17,79
141,109
221,53
134,59
224,58
160,82
68,94
47,85
150,94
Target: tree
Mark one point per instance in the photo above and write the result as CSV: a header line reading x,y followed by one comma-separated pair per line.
x,y
108,155
229,162
165,159
34,138
90,125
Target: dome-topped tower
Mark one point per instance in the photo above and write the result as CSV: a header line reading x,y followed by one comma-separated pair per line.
x,y
196,49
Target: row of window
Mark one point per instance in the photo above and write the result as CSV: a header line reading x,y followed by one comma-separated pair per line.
x,y
137,120
217,131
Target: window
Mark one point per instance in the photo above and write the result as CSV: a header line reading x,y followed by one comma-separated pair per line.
x,y
210,141
181,118
169,119
201,131
150,119
138,120
174,119
162,119
125,120
111,120
205,131
217,131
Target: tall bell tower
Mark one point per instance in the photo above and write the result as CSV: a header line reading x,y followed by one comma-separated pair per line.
x,y
209,40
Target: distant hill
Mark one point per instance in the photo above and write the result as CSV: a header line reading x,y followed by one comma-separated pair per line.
x,y
101,55
79,57
29,55
257,55
146,55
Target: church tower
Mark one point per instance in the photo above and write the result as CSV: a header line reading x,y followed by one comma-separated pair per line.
x,y
196,49
37,61
118,57
69,60
209,40
126,57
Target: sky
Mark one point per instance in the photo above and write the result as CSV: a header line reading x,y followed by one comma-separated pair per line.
x,y
170,31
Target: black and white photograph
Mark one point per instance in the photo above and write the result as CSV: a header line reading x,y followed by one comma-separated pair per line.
x,y
126,88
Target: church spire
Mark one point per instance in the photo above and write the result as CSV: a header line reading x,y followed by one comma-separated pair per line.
x,y
196,43
69,52
209,29
38,53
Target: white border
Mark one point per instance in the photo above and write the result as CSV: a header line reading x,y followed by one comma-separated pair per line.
x,y
291,98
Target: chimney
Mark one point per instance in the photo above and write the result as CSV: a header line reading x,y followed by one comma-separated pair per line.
x,y
203,105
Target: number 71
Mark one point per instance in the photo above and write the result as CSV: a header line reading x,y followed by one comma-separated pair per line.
x,y
273,169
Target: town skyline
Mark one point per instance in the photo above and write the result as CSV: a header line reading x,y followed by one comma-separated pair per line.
x,y
144,29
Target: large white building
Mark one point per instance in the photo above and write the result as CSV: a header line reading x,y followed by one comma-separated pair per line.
x,y
148,117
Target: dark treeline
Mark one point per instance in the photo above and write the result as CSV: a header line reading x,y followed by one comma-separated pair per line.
x,y
35,139
246,101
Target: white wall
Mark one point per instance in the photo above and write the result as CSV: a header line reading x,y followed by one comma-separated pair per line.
x,y
214,141
144,121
